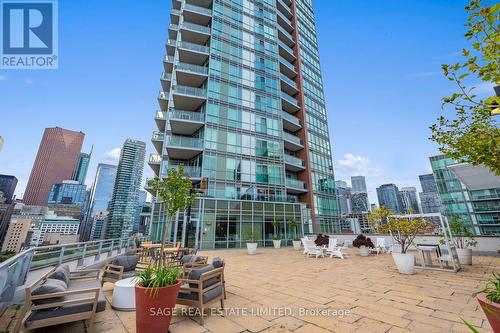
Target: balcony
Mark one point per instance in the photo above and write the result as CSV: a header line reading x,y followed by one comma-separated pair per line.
x,y
197,14
148,188
171,44
195,33
161,120
287,68
294,164
193,53
155,163
185,122
285,51
176,4
289,103
283,8
292,142
168,63
285,36
188,98
172,31
189,74
193,172
287,85
291,123
166,81
284,21
175,15
157,139
163,100
183,147
295,186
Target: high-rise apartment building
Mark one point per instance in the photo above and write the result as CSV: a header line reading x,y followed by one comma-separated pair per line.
x,y
55,161
343,196
428,183
67,192
242,107
359,202
17,235
358,184
409,199
389,197
82,167
429,197
123,205
8,187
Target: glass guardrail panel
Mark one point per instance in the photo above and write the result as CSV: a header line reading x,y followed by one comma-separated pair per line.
x,y
196,27
200,92
198,9
193,68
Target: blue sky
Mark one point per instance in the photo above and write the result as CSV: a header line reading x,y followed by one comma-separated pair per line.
x,y
381,68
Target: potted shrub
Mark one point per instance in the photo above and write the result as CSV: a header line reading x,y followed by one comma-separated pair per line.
x,y
157,288
251,238
293,224
463,239
489,299
403,231
277,236
364,244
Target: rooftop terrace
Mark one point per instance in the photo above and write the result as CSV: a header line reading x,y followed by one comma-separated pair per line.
x,y
358,294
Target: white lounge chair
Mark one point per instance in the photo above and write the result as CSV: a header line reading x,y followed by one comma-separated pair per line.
x,y
304,244
379,246
313,249
333,250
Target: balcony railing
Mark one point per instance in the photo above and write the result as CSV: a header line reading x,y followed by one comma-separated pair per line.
x,y
288,64
192,68
194,47
158,136
154,158
284,32
161,115
184,141
295,183
290,118
289,99
175,12
166,76
285,7
171,42
190,171
173,26
196,27
168,58
286,47
294,160
186,115
185,90
292,138
198,9
284,18
163,95
289,81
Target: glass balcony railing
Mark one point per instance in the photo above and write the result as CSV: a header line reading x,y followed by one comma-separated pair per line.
x,y
175,12
198,9
192,68
166,76
285,47
285,7
288,64
284,32
194,47
158,136
294,160
173,26
171,42
289,81
190,171
292,138
161,115
295,183
184,141
196,27
284,18
290,118
154,158
289,99
186,115
168,59
184,90
163,95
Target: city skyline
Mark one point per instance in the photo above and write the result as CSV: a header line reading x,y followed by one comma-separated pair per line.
x,y
379,166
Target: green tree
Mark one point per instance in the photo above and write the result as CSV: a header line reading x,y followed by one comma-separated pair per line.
x,y
379,216
471,134
175,192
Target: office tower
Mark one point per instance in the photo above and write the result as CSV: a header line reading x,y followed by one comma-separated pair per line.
x,y
409,200
55,161
373,206
8,187
98,224
17,235
54,224
67,198
359,202
390,198
429,197
469,192
242,107
82,167
358,184
123,205
343,196
6,211
141,200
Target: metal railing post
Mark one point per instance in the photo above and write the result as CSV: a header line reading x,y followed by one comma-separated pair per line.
x,y
119,247
61,256
82,259
98,255
110,253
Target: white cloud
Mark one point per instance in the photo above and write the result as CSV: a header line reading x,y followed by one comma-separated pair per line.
x,y
355,165
113,154
3,77
28,81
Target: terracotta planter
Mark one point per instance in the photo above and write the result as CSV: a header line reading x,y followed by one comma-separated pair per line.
x,y
491,310
154,312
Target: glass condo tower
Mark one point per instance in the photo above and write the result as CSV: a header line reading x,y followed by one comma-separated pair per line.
x,y
242,108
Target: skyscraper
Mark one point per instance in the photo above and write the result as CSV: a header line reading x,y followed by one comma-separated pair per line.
x,y
343,196
123,205
359,202
55,161
428,183
82,166
8,187
409,200
390,198
358,184
242,107
429,197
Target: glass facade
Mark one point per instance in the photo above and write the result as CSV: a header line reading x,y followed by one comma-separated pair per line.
x,y
68,192
80,173
389,197
231,73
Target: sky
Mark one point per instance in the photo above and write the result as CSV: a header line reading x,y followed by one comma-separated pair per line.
x,y
381,63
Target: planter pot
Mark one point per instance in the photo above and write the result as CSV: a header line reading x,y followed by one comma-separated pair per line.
x,y
405,262
491,310
465,256
252,248
363,251
154,311
277,243
296,245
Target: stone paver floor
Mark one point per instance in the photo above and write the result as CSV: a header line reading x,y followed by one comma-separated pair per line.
x,y
284,291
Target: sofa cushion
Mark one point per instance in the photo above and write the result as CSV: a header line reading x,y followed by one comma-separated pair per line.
x,y
207,296
217,262
50,286
87,284
128,262
61,273
196,273
190,258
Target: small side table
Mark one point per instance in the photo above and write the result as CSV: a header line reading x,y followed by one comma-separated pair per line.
x,y
124,294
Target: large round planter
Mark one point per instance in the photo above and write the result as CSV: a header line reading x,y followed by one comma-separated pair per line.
x,y
154,308
296,245
405,262
491,310
277,243
465,256
252,248
363,251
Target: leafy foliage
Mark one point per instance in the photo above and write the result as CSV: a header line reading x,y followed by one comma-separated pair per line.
x,y
472,134
492,288
251,236
293,224
404,230
379,216
362,240
462,235
276,226
156,277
